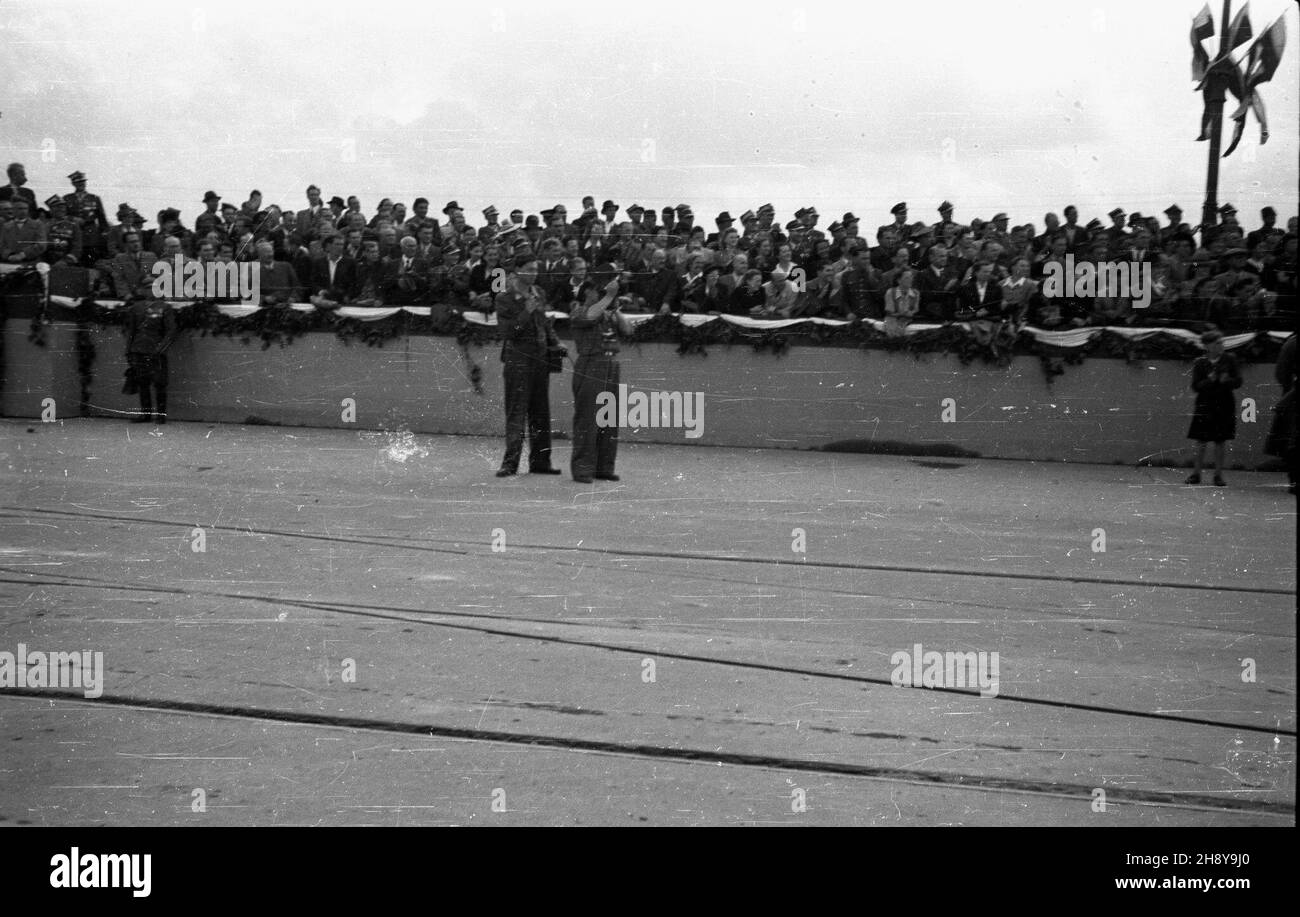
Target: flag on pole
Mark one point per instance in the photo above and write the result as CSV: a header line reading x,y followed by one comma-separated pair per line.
x,y
1202,28
1239,31
1261,63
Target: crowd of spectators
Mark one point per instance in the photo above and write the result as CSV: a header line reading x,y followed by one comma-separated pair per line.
x,y
331,252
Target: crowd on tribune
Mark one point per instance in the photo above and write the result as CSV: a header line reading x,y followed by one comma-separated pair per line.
x,y
332,252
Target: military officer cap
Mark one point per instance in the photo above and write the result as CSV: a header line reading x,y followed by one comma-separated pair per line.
x,y
451,205
1227,209
793,225
812,212
635,208
849,219
748,217
1000,218
54,201
945,207
77,177
1173,209
767,208
490,211
800,214
724,217
1093,225
1117,212
900,207
835,227
548,213
683,208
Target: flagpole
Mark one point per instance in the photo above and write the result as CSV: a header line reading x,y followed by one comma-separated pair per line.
x,y
1215,89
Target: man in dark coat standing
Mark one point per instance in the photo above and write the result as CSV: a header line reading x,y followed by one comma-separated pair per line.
x,y
527,335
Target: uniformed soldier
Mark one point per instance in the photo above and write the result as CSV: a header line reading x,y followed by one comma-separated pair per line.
x,y
150,329
945,219
899,225
1117,235
88,211
63,234
527,335
596,326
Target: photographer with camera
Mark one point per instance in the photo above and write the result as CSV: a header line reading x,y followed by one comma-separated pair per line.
x,y
528,339
596,326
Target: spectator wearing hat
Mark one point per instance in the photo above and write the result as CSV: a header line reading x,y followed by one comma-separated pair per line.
x,y
945,218
608,213
16,189
1215,377
63,233
899,224
685,224
87,210
724,223
210,219
1176,224
23,239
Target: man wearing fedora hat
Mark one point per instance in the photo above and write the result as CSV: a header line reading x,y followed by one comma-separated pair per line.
x,y
210,219
88,211
724,222
1175,214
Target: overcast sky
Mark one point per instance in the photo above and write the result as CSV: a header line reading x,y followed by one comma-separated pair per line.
x,y
1016,106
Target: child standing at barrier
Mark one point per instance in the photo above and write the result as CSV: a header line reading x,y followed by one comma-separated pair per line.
x,y
1215,377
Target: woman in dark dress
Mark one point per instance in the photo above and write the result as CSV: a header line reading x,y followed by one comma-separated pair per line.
x,y
1215,377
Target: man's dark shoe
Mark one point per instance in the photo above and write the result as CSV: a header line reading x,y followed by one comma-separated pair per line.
x,y
1193,479
504,473
1219,481
583,480
544,471
605,477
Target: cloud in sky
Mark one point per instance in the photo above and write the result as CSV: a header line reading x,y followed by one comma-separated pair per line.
x,y
1013,106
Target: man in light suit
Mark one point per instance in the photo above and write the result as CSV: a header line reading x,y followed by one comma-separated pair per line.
x,y
309,216
132,269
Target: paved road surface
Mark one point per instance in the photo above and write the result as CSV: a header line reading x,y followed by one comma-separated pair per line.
x,y
349,648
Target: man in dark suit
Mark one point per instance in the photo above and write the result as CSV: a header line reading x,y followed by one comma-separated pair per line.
x,y
1076,237
406,276
527,335
656,288
981,297
724,222
937,283
15,189
278,281
309,216
333,275
23,239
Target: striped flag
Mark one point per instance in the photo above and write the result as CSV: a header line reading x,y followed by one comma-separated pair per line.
x,y
1261,63
1202,28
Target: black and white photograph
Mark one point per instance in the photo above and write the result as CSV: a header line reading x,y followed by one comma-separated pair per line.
x,y
653,415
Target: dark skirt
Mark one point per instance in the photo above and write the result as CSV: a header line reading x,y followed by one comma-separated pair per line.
x,y
1214,420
